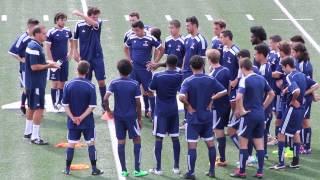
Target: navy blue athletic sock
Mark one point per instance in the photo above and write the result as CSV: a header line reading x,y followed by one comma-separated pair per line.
x,y
260,155
146,102
192,157
265,141
60,96
152,100
281,152
54,96
69,157
23,99
122,156
307,136
222,148
157,153
93,156
243,160
176,151
103,91
250,147
276,131
235,140
296,148
212,158
137,154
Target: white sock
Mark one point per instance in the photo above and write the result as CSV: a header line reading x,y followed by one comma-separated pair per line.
x,y
35,132
28,128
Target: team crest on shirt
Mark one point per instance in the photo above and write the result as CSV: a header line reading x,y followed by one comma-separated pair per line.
x,y
67,35
178,48
83,31
134,41
169,46
145,43
192,46
229,60
57,35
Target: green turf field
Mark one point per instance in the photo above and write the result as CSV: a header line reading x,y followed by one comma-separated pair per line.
x,y
20,160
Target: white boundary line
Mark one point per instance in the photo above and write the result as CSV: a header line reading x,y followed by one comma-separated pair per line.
x,y
209,17
4,18
168,17
298,26
299,19
126,17
250,17
45,18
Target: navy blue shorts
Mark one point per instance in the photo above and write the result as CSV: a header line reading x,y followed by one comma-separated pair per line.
x,y
220,118
233,95
97,66
129,125
74,135
307,112
36,98
22,79
276,104
143,77
163,125
292,122
60,74
195,131
252,125
233,121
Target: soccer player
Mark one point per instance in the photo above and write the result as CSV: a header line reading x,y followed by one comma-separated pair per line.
x,y
300,53
138,49
258,35
59,48
166,120
221,107
251,103
198,102
18,51
293,117
261,56
36,79
127,115
297,39
274,56
174,44
80,115
87,34
134,17
218,27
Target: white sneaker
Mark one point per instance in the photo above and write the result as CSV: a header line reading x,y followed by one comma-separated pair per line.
x,y
155,172
176,171
252,161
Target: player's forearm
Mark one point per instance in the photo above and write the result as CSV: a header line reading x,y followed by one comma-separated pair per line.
x,y
70,47
276,74
17,57
39,67
184,100
68,112
160,52
219,95
88,111
106,105
48,50
126,52
295,95
268,99
139,113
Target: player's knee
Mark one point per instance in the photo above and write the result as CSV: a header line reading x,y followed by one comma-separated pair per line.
x,y
174,139
90,143
121,141
306,123
210,143
231,131
192,145
101,83
158,138
71,145
137,140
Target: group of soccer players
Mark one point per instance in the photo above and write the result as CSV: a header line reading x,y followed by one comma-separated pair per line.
x,y
237,93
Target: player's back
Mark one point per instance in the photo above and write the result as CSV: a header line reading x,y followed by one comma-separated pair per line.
x,y
296,80
125,92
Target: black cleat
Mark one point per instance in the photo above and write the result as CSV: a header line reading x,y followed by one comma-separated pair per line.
x,y
96,172
66,172
211,174
27,136
189,176
23,110
39,142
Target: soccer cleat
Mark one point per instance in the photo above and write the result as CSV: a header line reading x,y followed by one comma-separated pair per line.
x,y
211,174
307,151
189,176
39,142
139,173
23,110
301,149
273,142
66,172
295,163
124,174
252,161
237,174
27,136
147,114
266,157
176,171
258,175
221,163
278,167
96,172
155,172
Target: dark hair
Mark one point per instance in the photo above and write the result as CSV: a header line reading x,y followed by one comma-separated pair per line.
x,y
33,21
138,24
297,38
193,20
246,64
244,53
259,32
135,14
83,67
156,32
285,47
124,67
262,49
299,47
227,33
213,55
220,23
59,15
93,11
197,62
37,29
172,60
288,61
176,23
275,38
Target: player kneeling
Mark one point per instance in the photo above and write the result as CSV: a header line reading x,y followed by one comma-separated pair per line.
x,y
127,114
80,115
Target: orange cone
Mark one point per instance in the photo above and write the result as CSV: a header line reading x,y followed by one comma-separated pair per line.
x,y
65,145
76,167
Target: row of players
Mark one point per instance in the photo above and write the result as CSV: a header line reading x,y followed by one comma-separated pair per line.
x,y
139,46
